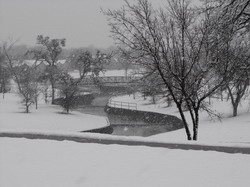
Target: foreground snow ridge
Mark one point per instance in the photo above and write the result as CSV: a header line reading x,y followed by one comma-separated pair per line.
x,y
40,163
107,139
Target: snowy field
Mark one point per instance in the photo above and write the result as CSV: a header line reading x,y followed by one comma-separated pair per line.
x,y
46,118
44,163
231,130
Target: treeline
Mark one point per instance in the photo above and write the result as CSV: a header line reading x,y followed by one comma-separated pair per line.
x,y
40,70
114,64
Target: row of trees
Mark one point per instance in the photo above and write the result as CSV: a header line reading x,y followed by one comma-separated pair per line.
x,y
194,51
31,80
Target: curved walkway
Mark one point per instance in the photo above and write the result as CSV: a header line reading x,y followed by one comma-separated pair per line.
x,y
83,138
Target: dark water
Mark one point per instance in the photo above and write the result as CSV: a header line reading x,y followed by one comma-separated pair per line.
x,y
127,124
140,130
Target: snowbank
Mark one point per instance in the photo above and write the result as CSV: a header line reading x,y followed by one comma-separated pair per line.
x,y
40,163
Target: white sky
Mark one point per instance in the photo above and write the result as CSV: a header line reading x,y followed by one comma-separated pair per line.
x,y
79,21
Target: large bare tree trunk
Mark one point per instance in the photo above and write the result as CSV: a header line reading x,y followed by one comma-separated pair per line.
x,y
195,125
235,110
185,124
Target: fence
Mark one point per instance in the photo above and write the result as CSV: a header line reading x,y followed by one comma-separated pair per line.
x,y
124,105
109,79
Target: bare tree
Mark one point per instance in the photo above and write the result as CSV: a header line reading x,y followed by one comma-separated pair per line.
x,y
87,63
237,87
124,59
81,60
41,74
151,85
230,44
235,12
49,52
69,90
239,12
23,76
88,66
100,60
175,42
5,74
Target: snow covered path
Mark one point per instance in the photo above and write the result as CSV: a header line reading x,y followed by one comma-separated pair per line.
x,y
108,140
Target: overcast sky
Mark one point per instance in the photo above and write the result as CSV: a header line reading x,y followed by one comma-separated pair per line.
x,y
79,21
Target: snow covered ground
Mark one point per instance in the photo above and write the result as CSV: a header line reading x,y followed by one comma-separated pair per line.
x,y
45,163
227,130
46,118
48,163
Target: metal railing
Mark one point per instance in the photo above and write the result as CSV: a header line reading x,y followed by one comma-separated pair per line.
x,y
124,105
110,79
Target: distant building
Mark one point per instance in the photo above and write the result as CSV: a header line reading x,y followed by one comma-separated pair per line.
x,y
62,64
40,66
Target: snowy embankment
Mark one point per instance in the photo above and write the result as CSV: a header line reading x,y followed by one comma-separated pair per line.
x,y
38,163
47,118
228,130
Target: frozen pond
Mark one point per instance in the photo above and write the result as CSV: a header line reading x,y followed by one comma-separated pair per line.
x,y
131,125
140,130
